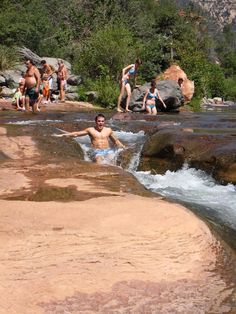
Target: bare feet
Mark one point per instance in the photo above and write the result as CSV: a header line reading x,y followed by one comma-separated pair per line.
x,y
127,110
119,110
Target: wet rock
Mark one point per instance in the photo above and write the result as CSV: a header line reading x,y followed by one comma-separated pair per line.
x,y
170,149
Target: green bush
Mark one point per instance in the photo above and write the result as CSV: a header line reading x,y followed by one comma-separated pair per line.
x,y
230,89
106,52
8,58
195,104
107,89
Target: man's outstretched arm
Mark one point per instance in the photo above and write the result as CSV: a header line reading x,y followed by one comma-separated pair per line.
x,y
77,133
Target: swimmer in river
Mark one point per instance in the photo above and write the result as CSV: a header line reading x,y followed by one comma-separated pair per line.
x,y
99,136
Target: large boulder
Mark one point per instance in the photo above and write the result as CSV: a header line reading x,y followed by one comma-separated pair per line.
x,y
174,72
72,96
169,91
54,63
74,80
6,92
170,149
28,54
2,80
12,77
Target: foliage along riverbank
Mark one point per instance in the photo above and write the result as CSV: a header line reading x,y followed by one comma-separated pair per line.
x,y
101,37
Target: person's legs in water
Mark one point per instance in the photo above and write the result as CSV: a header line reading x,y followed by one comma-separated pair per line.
x,y
38,103
101,155
154,110
151,107
148,109
31,98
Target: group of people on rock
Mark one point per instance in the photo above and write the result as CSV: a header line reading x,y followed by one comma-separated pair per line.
x,y
36,85
151,95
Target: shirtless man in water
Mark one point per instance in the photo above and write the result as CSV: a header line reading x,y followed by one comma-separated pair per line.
x,y
32,82
99,136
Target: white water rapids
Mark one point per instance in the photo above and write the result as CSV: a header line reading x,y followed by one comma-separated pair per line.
x,y
187,185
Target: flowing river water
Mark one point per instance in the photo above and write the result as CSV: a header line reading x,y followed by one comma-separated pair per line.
x,y
194,188
214,203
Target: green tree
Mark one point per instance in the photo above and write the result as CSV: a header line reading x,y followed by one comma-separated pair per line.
x,y
106,52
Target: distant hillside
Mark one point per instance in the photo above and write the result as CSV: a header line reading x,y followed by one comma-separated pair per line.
x,y
223,12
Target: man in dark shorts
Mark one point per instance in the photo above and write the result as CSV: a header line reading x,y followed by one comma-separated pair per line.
x,y
32,82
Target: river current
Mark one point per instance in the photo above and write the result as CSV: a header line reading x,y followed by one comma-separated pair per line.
x,y
195,189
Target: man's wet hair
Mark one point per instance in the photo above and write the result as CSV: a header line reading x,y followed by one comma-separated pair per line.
x,y
43,62
100,115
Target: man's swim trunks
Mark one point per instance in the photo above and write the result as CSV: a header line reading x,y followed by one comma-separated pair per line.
x,y
102,152
32,94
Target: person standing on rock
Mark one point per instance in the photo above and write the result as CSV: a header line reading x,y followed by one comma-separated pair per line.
x,y
48,71
150,98
31,87
61,79
99,136
127,72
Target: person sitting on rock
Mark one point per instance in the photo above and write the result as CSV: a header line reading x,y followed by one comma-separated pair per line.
x,y
150,98
18,99
127,72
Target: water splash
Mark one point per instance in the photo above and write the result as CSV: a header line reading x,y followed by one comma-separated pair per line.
x,y
194,187
131,140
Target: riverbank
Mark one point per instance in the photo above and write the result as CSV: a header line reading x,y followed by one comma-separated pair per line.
x,y
80,237
6,104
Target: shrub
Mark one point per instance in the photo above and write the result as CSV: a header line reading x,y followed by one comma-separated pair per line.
x,y
230,89
106,52
107,89
8,58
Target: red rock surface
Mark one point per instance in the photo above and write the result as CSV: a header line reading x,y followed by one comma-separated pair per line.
x,y
174,72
